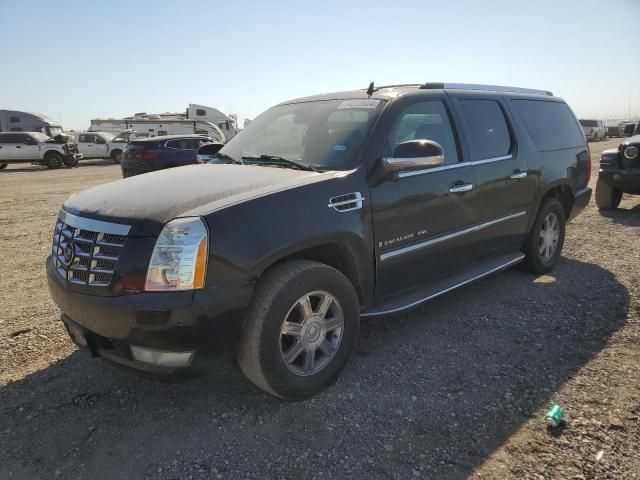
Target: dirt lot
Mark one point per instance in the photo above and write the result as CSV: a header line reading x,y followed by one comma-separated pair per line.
x,y
455,389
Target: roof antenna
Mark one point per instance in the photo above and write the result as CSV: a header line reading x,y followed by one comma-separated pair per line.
x,y
371,89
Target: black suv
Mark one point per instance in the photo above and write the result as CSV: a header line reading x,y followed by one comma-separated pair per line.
x,y
324,210
619,173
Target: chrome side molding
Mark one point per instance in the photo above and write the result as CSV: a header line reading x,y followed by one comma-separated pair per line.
x,y
449,236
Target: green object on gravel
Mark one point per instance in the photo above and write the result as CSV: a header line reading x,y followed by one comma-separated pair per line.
x,y
555,416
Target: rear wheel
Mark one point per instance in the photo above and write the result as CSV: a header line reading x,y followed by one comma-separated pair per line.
x,y
3,166
543,246
301,329
53,160
116,156
607,197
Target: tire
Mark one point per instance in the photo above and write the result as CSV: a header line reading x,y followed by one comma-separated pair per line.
x,y
607,197
116,156
276,328
53,160
543,246
3,166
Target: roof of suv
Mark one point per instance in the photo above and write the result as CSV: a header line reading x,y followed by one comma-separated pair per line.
x,y
168,137
387,92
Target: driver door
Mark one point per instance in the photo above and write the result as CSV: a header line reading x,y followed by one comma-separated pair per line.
x,y
420,216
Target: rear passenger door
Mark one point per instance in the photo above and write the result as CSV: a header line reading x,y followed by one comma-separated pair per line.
x,y
504,189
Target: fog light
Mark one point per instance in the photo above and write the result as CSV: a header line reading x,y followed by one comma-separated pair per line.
x,y
161,357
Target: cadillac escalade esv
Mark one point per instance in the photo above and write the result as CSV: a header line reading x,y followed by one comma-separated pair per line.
x,y
324,210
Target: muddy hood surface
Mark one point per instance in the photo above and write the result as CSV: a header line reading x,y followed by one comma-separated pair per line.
x,y
147,202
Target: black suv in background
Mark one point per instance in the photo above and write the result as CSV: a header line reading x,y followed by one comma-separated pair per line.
x,y
145,155
323,210
619,173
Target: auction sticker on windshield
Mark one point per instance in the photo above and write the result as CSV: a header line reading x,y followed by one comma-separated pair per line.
x,y
358,104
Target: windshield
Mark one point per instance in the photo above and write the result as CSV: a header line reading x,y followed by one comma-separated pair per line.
x,y
53,131
588,123
324,134
107,136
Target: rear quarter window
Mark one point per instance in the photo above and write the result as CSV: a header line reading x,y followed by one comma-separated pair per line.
x,y
551,125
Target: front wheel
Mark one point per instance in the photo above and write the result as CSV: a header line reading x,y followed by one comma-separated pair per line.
x,y
53,160
543,246
3,166
301,329
607,197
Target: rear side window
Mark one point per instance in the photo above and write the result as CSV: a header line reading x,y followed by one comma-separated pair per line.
x,y
486,129
11,138
551,125
14,119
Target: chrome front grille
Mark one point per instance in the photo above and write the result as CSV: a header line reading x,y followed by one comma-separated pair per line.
x,y
85,251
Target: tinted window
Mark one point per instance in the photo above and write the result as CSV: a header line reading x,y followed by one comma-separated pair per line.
x,y
200,112
429,121
588,123
14,119
551,125
184,144
85,138
486,129
11,138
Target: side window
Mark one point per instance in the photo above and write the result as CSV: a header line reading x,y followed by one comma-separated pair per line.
x,y
551,125
10,139
84,138
430,121
200,112
14,119
486,129
99,140
172,144
15,129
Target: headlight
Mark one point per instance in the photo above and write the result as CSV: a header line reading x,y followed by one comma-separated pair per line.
x,y
179,259
631,152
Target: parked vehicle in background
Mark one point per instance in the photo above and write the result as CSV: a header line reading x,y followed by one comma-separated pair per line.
x,y
594,130
629,129
616,130
37,148
17,121
101,145
158,153
619,173
328,209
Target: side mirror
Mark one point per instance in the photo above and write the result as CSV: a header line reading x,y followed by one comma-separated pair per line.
x,y
414,155
206,152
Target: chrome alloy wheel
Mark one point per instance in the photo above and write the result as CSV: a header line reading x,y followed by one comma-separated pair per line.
x,y
549,236
311,333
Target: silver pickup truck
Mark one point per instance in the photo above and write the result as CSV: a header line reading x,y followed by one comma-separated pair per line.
x,y
101,145
37,148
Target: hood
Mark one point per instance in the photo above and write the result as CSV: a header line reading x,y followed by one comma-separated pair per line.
x,y
149,201
631,140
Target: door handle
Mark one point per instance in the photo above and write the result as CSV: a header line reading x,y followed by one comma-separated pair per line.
x,y
517,175
461,188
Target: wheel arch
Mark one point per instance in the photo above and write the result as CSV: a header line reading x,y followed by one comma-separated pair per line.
x,y
339,253
562,192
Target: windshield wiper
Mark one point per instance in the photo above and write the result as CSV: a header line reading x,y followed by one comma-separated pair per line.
x,y
277,160
224,156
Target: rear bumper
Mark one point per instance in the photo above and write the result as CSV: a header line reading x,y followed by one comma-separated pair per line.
x,y
580,201
205,322
627,180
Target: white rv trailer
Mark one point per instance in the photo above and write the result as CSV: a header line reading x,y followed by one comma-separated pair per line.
x,y
17,121
197,119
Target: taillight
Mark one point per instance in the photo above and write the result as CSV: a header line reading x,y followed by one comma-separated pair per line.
x,y
145,156
588,165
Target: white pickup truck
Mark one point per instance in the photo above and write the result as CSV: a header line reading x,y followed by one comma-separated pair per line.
x,y
37,148
101,145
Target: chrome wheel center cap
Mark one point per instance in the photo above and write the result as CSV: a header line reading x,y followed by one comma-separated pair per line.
x,y
312,331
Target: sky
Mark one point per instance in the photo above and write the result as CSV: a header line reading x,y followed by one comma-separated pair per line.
x,y
78,60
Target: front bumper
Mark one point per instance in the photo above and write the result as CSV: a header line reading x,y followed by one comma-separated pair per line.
x,y
580,201
206,322
625,179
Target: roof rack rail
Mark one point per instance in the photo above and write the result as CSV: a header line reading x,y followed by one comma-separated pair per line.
x,y
490,88
397,85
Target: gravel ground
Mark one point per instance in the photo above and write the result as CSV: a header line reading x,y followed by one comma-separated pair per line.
x,y
454,389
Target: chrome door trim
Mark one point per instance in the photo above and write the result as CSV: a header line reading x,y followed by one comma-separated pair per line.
x,y
449,236
446,290
452,166
93,225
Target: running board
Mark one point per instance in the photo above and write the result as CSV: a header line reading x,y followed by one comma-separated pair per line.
x,y
415,297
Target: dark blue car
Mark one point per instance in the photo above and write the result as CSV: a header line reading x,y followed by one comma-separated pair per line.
x,y
157,153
